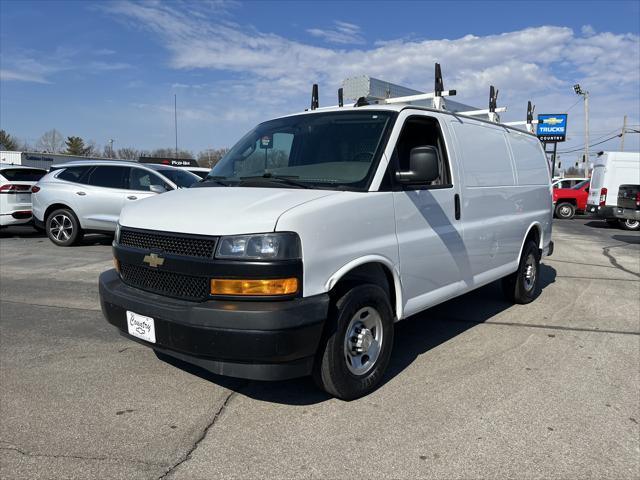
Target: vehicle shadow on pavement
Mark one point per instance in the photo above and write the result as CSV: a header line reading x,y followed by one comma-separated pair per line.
x,y
413,337
630,239
22,232
601,224
29,232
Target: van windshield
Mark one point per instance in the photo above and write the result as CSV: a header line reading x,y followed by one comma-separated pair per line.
x,y
321,150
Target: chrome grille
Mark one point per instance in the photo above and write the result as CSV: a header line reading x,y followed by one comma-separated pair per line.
x,y
188,246
171,284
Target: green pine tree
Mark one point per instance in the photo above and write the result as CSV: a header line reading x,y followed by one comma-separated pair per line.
x,y
75,146
7,142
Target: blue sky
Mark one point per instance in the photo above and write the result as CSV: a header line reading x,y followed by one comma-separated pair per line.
x,y
104,70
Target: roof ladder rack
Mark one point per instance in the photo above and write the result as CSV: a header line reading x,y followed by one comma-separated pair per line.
x,y
529,122
436,95
492,111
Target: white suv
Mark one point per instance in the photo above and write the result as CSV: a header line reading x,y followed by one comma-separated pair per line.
x,y
15,193
318,231
81,197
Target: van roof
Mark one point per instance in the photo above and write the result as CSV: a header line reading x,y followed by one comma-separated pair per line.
x,y
398,107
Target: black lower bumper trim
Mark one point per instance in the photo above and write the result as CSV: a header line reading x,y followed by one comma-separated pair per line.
x,y
258,340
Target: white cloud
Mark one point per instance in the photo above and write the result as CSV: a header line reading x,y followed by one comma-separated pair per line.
x,y
588,30
273,74
341,33
9,75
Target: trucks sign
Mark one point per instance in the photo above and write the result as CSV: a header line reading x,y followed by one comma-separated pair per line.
x,y
552,127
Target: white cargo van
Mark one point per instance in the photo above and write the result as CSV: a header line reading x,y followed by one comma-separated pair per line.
x,y
610,170
318,231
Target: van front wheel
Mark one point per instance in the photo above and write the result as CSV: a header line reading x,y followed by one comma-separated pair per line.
x,y
522,286
357,344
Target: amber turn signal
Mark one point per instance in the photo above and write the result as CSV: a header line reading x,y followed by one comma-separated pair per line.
x,y
278,286
116,264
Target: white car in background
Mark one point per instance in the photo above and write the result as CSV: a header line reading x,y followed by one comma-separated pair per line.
x,y
15,193
202,172
80,197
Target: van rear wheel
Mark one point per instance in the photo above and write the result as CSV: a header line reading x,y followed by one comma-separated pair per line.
x,y
357,344
565,210
522,286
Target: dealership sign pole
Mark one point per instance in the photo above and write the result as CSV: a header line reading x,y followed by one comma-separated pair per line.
x,y
552,128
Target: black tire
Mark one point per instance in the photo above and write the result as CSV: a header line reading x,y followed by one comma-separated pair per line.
x,y
523,285
565,210
628,224
335,370
63,227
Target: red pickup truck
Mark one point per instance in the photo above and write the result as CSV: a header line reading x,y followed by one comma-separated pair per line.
x,y
568,201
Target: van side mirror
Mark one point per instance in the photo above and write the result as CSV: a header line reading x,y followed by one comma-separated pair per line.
x,y
157,188
424,166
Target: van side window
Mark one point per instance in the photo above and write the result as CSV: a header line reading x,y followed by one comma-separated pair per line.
x,y
418,132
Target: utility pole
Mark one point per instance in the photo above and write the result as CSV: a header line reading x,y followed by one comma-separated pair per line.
x,y
585,96
175,119
624,129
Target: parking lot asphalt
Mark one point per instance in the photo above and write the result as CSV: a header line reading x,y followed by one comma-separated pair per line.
x,y
477,387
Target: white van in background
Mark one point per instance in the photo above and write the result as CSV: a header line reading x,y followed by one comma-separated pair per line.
x,y
610,170
318,231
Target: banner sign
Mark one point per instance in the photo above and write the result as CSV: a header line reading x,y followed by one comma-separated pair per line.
x,y
552,127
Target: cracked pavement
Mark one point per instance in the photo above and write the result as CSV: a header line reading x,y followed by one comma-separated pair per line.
x,y
477,387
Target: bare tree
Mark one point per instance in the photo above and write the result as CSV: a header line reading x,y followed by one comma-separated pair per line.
x,y
128,153
50,142
209,157
170,153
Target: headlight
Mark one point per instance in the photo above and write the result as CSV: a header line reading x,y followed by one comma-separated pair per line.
x,y
266,246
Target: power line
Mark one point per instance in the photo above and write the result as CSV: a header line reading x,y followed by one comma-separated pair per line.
x,y
598,143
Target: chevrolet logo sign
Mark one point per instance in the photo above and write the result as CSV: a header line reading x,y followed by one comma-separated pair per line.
x,y
553,120
153,260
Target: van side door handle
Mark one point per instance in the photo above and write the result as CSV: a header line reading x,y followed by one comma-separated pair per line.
x,y
81,193
456,201
132,197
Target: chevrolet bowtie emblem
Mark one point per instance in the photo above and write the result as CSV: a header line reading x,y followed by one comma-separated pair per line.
x,y
153,260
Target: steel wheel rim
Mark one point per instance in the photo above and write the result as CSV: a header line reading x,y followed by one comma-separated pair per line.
x,y
61,227
631,223
530,273
565,211
363,340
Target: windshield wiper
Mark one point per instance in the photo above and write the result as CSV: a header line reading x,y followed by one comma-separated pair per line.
x,y
215,179
286,179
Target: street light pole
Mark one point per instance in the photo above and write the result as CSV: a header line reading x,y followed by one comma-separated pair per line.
x,y
585,95
586,134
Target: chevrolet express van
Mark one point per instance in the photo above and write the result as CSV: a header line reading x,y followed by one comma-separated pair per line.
x,y
319,231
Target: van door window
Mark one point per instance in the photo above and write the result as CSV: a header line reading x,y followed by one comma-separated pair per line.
x,y
110,177
418,132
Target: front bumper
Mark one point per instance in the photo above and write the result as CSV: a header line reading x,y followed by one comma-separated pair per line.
x,y
260,340
627,213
